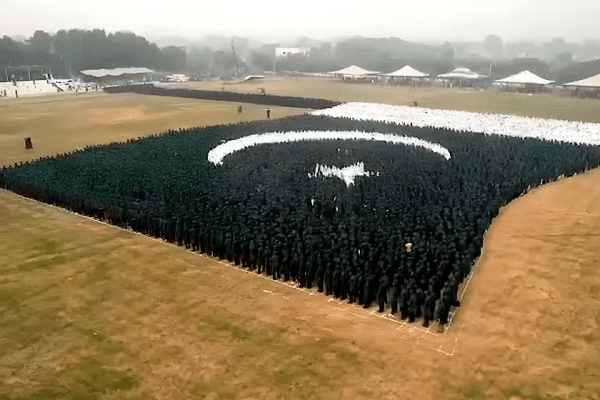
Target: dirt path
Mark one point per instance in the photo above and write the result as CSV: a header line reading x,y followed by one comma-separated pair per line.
x,y
85,302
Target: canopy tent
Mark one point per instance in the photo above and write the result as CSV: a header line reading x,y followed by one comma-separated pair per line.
x,y
592,83
101,73
461,74
117,75
406,72
354,71
524,78
586,88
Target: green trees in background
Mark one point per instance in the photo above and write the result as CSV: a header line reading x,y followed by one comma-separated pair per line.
x,y
68,52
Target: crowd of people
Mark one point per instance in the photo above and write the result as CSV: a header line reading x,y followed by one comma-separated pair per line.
x,y
401,239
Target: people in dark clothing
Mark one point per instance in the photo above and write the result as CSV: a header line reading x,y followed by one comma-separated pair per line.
x,y
382,292
413,306
368,291
418,218
403,303
428,309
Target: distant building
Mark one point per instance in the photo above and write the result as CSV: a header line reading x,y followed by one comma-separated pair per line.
x,y
288,51
177,78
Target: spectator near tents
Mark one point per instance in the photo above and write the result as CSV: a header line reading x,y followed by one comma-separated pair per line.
x,y
462,77
407,75
525,81
588,87
355,72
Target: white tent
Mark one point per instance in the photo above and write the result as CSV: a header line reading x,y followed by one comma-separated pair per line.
x,y
354,71
406,72
101,73
461,74
524,78
592,82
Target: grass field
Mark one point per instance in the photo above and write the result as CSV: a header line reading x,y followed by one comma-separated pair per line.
x,y
488,101
90,311
58,124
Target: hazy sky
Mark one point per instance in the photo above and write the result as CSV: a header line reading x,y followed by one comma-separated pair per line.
x,y
411,20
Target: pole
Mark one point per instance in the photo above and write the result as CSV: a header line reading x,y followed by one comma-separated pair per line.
x,y
6,72
29,73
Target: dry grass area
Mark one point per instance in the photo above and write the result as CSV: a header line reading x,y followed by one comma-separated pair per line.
x,y
57,124
90,311
538,105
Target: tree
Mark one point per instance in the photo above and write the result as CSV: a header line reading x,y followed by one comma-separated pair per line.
x,y
494,46
447,51
39,47
261,61
10,52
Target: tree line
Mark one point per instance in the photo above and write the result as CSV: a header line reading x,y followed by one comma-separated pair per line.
x,y
69,51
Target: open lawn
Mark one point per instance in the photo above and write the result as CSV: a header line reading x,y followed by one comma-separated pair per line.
x,y
490,101
57,124
90,311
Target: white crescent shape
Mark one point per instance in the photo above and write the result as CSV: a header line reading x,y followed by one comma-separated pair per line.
x,y
217,154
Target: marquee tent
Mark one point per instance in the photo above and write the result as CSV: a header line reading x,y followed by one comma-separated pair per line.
x,y
354,71
524,78
105,76
462,74
524,81
462,77
406,72
99,73
592,82
589,87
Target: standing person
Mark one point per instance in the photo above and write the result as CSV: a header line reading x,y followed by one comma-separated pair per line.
x,y
328,281
444,307
368,290
393,299
382,292
353,289
403,302
268,113
413,305
337,282
428,309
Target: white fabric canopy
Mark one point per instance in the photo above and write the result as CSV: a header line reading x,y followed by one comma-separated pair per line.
x,y
462,73
354,70
408,72
591,82
100,73
525,77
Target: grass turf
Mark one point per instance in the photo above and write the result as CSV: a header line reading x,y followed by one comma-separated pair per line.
x,y
88,311
59,124
545,105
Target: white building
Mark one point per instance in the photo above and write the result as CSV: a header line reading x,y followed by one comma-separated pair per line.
x,y
288,51
177,78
